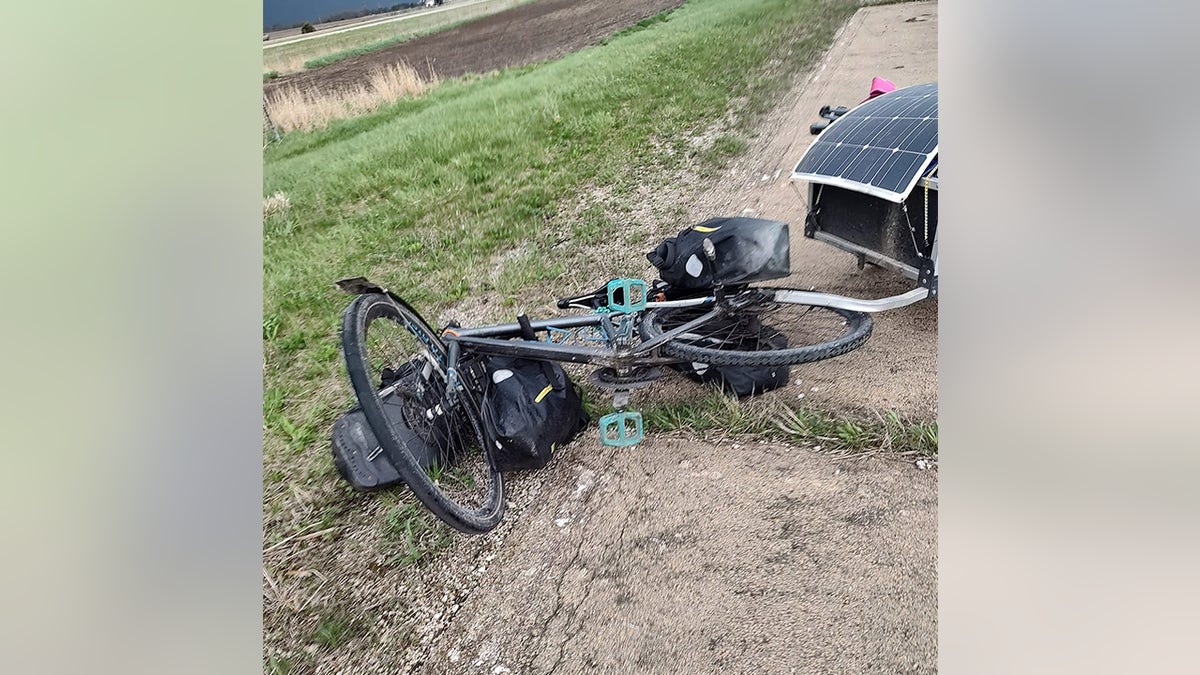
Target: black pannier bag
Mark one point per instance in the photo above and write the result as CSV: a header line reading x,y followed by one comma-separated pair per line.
x,y
357,454
742,380
747,250
737,380
530,409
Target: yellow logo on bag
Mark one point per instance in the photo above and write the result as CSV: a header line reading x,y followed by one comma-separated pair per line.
x,y
542,395
705,229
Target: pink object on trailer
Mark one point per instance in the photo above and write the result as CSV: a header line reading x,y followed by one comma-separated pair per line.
x,y
880,86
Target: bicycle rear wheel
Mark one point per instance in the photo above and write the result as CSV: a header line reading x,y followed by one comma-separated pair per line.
x,y
761,331
435,441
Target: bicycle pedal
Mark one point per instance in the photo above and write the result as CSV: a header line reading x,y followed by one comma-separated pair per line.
x,y
626,295
621,429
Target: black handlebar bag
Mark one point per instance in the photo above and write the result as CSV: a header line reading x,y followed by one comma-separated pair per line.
x,y
746,250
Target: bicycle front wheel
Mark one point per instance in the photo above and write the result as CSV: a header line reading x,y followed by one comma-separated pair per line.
x,y
397,366
762,332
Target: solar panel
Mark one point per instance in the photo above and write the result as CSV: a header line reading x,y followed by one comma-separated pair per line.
x,y
881,148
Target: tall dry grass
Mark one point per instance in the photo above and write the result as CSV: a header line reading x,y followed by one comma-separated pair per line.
x,y
291,108
284,65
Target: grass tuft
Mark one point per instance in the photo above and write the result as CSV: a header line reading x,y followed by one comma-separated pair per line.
x,y
334,631
414,534
276,203
291,109
279,665
769,418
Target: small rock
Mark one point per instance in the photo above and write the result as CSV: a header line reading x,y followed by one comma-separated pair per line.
x,y
561,522
922,464
813,389
685,464
799,396
817,448
498,670
455,655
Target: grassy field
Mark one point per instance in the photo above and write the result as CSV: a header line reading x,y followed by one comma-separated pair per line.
x,y
315,52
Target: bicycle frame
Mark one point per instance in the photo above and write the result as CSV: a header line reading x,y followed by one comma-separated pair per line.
x,y
498,339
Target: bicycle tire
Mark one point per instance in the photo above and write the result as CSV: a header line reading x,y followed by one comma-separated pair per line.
x,y
858,327
356,322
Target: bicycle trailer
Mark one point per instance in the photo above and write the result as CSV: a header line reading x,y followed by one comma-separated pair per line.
x,y
872,178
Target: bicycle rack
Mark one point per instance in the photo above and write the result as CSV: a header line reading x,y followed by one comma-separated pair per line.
x,y
633,295
621,429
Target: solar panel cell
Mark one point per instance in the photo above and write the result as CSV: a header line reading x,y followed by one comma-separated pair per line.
x,y
881,147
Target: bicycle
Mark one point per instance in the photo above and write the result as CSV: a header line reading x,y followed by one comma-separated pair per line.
x,y
420,389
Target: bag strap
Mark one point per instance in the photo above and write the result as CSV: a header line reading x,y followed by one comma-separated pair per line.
x,y
663,256
547,369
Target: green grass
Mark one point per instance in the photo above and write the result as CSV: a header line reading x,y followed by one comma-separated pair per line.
x,y
333,631
770,419
415,535
357,51
279,665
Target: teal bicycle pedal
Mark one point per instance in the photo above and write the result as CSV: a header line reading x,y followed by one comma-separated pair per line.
x,y
632,294
621,429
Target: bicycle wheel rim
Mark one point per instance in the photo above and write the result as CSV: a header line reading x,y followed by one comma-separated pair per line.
x,y
397,369
764,332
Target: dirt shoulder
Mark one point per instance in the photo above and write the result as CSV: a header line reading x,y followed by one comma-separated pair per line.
x,y
897,368
698,553
694,555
